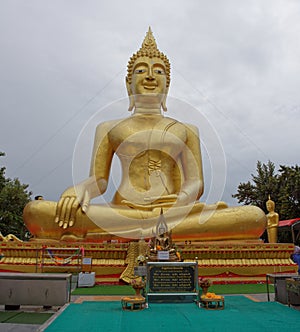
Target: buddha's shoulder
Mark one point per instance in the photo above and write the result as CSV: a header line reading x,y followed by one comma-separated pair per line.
x,y
108,125
192,128
184,126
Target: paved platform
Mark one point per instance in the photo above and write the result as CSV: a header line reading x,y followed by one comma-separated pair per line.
x,y
4,327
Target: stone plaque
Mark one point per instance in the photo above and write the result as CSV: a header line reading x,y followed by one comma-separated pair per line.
x,y
172,277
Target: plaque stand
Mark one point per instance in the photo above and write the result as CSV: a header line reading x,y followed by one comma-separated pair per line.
x,y
168,279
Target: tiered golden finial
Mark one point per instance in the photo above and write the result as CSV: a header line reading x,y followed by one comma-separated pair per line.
x,y
149,44
148,49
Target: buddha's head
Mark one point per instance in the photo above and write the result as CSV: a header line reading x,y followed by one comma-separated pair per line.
x,y
270,205
148,76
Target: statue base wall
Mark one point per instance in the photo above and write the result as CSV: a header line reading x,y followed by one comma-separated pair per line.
x,y
234,262
222,262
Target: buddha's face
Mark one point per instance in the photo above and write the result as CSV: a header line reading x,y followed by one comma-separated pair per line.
x,y
148,80
270,206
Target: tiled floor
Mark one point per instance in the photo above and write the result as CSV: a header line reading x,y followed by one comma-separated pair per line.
x,y
80,299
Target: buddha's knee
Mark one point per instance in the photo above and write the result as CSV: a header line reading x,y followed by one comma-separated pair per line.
x,y
35,210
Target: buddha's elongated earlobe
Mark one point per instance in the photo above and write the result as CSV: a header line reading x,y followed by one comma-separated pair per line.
x,y
164,101
131,103
131,99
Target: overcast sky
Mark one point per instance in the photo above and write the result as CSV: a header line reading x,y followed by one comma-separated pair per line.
x,y
235,73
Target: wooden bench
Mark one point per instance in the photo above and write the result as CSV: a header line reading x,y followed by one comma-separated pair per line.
x,y
133,303
208,303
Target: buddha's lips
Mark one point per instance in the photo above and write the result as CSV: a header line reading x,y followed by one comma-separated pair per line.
x,y
150,86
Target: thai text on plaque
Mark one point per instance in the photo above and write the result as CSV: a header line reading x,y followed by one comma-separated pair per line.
x,y
172,278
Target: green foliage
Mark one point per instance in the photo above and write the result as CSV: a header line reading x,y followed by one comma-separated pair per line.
x,y
13,197
289,198
282,186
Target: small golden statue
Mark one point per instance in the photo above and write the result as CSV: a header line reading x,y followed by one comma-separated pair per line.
x,y
161,167
272,221
162,241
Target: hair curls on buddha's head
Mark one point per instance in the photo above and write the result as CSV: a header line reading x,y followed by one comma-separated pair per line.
x,y
148,49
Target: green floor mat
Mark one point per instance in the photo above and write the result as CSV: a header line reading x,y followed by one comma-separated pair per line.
x,y
241,289
21,317
105,290
219,289
5,315
240,314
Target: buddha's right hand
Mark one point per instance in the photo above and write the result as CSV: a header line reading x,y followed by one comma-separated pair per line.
x,y
71,200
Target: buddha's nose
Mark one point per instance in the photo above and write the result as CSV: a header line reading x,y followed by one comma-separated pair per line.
x,y
150,76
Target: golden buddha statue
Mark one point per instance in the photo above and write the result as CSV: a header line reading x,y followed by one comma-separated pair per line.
x,y
161,168
272,221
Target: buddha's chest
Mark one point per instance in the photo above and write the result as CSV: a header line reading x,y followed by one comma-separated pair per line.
x,y
135,136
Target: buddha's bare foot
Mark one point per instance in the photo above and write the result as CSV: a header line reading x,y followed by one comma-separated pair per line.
x,y
71,238
44,241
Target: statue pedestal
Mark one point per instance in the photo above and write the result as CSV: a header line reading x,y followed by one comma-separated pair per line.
x,y
238,262
221,262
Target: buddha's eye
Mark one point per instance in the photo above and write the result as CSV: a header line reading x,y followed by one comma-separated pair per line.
x,y
159,71
139,71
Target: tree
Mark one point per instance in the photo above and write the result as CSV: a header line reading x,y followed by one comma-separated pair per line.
x,y
265,183
13,198
289,198
283,188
